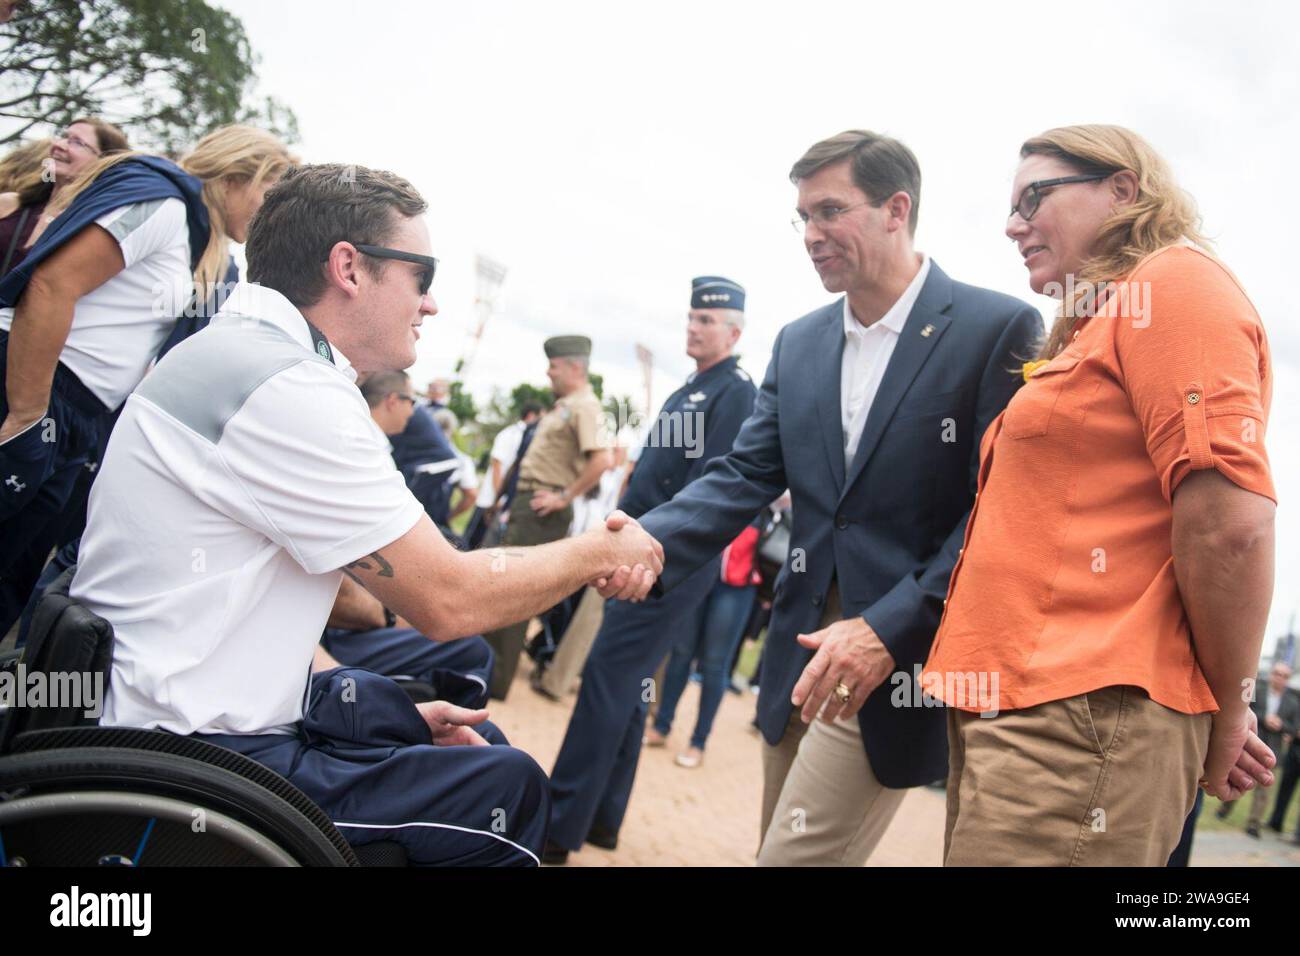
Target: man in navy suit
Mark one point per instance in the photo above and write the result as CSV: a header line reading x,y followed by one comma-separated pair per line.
x,y
871,414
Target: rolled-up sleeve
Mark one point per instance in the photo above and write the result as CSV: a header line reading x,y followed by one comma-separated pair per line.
x,y
1195,364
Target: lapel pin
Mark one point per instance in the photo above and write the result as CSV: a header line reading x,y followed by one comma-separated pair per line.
x,y
925,332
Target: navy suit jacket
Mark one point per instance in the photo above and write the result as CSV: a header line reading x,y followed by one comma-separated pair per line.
x,y
889,527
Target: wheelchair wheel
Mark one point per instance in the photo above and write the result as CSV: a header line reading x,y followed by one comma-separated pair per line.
x,y
82,806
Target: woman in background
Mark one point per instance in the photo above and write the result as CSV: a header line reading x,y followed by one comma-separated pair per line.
x,y
31,177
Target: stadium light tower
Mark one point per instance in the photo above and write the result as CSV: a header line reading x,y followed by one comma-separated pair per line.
x,y
647,360
490,275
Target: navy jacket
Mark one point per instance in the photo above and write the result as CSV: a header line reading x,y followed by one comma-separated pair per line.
x,y
698,423
888,530
422,442
138,179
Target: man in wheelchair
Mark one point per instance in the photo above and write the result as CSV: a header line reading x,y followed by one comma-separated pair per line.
x,y
246,477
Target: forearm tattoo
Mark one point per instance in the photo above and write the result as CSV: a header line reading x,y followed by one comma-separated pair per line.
x,y
374,561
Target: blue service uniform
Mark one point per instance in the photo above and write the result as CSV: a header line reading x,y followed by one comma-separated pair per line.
x,y
594,771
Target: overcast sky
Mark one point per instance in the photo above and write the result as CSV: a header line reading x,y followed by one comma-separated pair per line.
x,y
606,153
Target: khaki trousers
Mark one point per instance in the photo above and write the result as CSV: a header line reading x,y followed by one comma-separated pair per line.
x,y
571,656
526,527
777,762
822,803
1106,778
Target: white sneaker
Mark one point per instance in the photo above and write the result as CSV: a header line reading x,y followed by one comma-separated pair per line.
x,y
690,758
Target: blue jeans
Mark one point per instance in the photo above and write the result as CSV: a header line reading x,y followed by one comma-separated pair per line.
x,y
726,612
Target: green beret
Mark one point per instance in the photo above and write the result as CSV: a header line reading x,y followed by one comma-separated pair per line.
x,y
564,346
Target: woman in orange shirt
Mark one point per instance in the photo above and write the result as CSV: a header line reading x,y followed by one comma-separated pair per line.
x,y
1103,625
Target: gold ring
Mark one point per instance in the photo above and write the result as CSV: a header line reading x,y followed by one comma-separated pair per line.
x,y
842,693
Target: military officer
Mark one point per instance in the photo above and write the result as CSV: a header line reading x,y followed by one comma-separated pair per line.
x,y
566,457
593,774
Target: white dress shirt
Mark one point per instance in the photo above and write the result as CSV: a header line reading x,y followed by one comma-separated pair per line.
x,y
867,349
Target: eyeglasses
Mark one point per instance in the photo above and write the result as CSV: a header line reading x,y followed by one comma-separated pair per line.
x,y
405,397
1031,197
74,140
823,216
381,252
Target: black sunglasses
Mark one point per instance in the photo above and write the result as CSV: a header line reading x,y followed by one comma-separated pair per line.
x,y
1031,197
382,252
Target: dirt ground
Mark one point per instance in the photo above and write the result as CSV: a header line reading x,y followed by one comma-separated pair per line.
x,y
707,816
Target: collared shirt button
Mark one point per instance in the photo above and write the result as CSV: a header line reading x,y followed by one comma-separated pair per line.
x,y
1193,398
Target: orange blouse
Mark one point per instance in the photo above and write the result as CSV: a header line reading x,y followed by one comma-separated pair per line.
x,y
1066,581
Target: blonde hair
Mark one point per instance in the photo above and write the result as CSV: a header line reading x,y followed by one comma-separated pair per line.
x,y
21,168
1162,214
231,154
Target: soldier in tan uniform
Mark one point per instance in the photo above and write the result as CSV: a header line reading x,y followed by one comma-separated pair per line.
x,y
565,459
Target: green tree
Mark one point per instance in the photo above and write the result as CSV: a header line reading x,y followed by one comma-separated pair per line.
x,y
462,403
166,71
526,392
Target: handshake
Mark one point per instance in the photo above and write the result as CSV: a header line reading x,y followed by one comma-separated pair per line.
x,y
630,558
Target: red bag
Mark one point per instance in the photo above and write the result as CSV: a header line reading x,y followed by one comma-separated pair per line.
x,y
738,559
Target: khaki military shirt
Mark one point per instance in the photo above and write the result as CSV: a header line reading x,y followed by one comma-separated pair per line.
x,y
565,434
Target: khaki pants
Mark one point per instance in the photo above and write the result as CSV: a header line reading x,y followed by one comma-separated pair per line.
x,y
822,804
525,528
1106,778
571,656
777,762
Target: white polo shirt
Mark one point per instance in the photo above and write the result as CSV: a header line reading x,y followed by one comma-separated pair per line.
x,y
867,350
118,328
505,447
244,472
